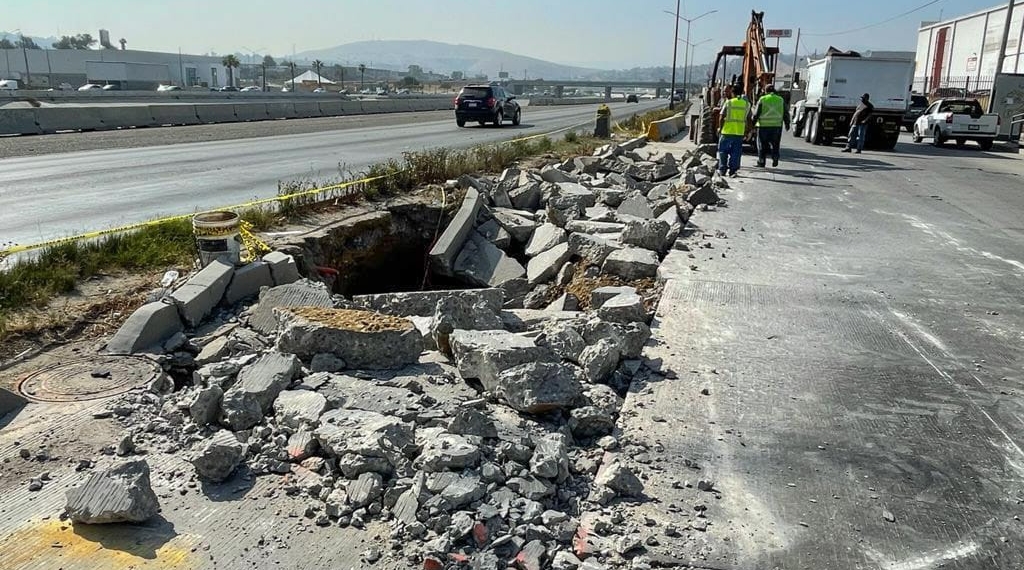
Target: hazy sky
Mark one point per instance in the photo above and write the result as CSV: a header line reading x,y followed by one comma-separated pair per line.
x,y
605,33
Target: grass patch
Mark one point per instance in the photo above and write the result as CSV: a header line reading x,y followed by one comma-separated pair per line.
x,y
32,282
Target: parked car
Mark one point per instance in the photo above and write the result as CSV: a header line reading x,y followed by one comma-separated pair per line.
x,y
8,84
632,98
959,119
918,103
251,88
168,88
319,90
91,87
112,87
486,104
228,89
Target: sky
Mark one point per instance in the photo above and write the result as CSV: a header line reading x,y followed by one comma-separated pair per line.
x,y
612,34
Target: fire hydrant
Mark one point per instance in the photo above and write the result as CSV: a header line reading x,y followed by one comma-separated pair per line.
x,y
603,126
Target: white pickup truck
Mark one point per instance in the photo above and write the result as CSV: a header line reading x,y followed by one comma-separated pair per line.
x,y
961,120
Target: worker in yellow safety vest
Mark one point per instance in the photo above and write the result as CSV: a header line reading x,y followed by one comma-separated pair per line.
x,y
735,113
769,115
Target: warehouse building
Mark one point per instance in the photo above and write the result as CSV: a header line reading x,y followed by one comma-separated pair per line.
x,y
961,54
132,69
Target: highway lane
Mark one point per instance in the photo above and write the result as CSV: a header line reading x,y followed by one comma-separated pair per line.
x,y
55,195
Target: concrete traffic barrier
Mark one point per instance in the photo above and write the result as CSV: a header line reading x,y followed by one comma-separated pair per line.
x,y
216,113
127,116
374,107
331,109
174,114
65,118
307,109
251,111
280,110
352,107
666,128
18,122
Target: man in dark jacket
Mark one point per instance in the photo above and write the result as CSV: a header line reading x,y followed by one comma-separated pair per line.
x,y
859,124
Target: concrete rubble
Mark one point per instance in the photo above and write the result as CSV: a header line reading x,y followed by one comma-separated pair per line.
x,y
475,425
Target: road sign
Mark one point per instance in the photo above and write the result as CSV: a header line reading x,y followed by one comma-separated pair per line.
x,y
972,63
779,33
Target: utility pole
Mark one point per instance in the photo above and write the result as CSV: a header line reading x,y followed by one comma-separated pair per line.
x,y
1002,54
675,49
181,69
796,59
28,73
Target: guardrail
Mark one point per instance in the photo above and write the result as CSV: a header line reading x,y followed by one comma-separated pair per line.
x,y
99,95
549,101
55,118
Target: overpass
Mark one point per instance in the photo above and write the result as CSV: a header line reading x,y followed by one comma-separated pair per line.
x,y
518,86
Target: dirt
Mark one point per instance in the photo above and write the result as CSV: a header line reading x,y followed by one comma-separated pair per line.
x,y
582,287
353,320
96,308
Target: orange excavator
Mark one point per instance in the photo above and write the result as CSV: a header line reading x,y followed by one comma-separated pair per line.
x,y
757,73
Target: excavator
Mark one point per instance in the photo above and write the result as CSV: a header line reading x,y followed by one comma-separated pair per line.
x,y
757,73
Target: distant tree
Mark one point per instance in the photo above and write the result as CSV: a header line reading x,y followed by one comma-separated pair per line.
x,y
230,62
415,71
362,73
269,61
80,41
410,81
284,63
27,43
6,44
317,64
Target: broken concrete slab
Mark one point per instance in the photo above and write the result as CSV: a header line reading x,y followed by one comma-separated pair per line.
x,y
619,479
247,282
481,263
589,227
522,320
599,360
148,328
258,385
362,339
494,233
219,457
612,197
538,387
364,490
623,308
424,303
544,238
295,408
563,339
647,234
455,313
590,422
601,294
468,421
703,195
550,458
546,265
365,433
565,302
551,173
572,196
446,250
520,224
526,196
448,452
631,263
205,406
283,268
122,493
675,225
9,402
594,249
483,355
629,337
635,205
300,294
353,393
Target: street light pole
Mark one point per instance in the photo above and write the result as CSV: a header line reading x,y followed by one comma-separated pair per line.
x,y
675,49
688,21
1002,54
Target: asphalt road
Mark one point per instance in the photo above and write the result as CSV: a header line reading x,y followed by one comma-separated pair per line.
x,y
856,322
43,196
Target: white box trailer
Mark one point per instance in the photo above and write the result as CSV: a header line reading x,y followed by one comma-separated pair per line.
x,y
835,85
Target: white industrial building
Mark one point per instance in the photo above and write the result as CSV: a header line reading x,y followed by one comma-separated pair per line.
x,y
963,52
133,68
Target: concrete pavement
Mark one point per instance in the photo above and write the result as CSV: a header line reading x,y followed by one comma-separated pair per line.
x,y
840,356
48,196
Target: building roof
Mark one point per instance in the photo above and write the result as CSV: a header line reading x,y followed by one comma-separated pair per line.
x,y
311,77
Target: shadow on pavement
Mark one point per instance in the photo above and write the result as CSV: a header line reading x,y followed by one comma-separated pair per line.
x,y
141,540
234,488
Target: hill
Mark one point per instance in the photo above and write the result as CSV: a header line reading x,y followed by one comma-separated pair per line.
x,y
443,58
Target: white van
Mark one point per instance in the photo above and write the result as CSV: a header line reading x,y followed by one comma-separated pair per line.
x,y
8,84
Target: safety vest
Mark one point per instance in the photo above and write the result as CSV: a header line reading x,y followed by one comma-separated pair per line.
x,y
735,117
771,110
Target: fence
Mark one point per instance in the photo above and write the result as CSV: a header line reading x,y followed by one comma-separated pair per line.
x,y
955,86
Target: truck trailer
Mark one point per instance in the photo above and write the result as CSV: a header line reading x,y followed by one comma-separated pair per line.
x,y
834,88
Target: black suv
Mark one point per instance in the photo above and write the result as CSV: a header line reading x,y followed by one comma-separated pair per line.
x,y
918,103
486,104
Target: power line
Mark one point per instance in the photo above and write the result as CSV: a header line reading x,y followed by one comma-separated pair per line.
x,y
876,24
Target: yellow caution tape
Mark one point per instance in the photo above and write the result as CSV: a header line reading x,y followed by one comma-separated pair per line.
x,y
255,247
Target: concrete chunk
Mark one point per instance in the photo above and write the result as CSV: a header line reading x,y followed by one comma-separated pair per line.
x,y
483,355
362,339
448,452
197,298
552,173
632,263
122,493
519,224
258,385
573,196
295,408
494,233
282,268
647,234
594,249
365,433
601,294
537,387
546,265
301,294
247,282
424,303
637,206
526,196
544,238
481,263
623,308
589,227
148,328
451,242
219,457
